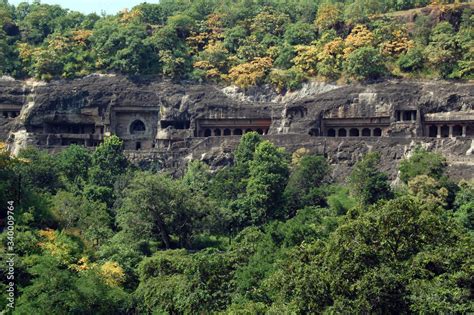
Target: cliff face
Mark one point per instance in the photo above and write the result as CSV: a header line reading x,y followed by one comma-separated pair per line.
x,y
165,124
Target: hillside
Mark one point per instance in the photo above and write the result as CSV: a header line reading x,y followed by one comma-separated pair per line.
x,y
237,157
242,42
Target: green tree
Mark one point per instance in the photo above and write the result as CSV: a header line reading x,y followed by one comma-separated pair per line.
x,y
422,162
412,60
123,47
59,290
90,217
369,259
74,163
464,205
305,185
300,33
365,63
465,40
197,176
230,182
179,282
156,206
245,151
268,176
40,172
108,162
367,183
443,52
40,21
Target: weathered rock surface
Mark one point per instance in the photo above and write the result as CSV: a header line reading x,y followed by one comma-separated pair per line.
x,y
83,111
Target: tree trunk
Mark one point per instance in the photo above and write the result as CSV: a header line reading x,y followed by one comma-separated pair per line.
x,y
164,233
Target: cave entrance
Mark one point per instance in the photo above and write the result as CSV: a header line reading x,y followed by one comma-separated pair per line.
x,y
176,124
354,132
444,131
457,131
331,133
432,131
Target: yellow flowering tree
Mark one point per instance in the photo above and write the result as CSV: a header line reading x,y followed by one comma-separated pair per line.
x,y
250,73
306,59
360,36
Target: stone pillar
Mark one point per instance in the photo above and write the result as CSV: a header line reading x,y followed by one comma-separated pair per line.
x,y
371,132
464,130
401,116
438,132
413,116
450,131
212,133
360,132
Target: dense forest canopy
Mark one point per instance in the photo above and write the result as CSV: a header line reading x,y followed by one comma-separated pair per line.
x,y
244,42
271,233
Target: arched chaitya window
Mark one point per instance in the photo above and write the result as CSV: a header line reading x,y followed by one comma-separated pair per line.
x,y
207,133
237,132
377,132
227,132
366,132
137,127
331,133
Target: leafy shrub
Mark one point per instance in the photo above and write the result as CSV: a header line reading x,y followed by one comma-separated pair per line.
x,y
412,60
365,63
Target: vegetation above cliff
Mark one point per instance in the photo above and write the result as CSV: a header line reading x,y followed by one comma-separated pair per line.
x,y
244,42
270,234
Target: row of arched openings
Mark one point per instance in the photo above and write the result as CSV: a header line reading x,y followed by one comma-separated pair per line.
x,y
354,132
229,132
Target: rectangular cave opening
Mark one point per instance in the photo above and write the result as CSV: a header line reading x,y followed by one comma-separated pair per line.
x,y
71,128
176,124
405,115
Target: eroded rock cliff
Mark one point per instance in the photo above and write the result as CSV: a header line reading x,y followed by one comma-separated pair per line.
x,y
164,124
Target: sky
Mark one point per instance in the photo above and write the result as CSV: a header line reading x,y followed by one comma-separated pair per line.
x,y
89,6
